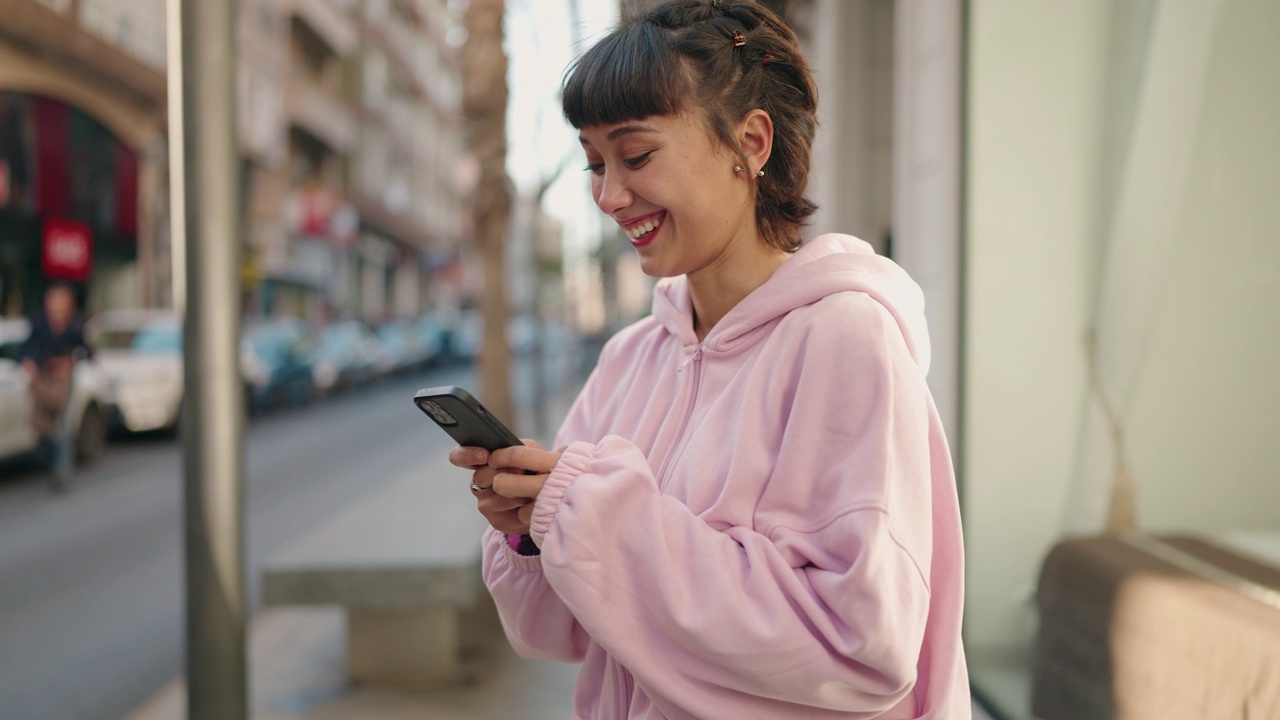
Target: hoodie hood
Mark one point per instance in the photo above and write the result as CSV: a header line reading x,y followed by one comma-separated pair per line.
x,y
826,265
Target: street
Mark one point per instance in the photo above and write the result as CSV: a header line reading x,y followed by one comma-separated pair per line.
x,y
91,582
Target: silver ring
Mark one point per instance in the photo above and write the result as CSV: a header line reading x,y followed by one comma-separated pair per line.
x,y
476,488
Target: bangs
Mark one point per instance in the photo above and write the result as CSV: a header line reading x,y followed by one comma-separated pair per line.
x,y
630,74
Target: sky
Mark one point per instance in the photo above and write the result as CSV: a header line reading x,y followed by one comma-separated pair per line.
x,y
540,44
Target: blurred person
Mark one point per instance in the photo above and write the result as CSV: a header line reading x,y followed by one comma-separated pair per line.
x,y
48,356
752,511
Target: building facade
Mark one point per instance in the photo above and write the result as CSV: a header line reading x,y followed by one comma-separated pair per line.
x,y
353,186
82,151
352,157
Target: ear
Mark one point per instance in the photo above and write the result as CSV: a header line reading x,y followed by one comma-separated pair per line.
x,y
755,136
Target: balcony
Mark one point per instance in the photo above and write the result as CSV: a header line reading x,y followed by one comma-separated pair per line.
x,y
330,24
417,58
321,114
398,226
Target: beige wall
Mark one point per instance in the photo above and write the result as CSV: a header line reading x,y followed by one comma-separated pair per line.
x,y
1036,77
1047,122
1206,414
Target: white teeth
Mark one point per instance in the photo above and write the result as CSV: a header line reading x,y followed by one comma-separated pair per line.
x,y
643,228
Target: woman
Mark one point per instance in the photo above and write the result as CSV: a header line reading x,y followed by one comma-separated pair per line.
x,y
753,511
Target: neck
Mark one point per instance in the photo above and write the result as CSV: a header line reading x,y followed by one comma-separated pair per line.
x,y
719,287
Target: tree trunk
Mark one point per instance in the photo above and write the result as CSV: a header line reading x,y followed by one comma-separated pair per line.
x,y
484,104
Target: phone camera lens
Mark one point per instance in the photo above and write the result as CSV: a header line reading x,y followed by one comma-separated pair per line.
x,y
437,413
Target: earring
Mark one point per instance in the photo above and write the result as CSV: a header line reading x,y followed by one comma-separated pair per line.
x,y
737,169
760,173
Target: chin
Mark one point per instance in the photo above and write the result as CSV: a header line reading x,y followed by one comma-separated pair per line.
x,y
657,270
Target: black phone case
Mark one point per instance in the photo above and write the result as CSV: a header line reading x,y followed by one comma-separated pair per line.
x,y
459,414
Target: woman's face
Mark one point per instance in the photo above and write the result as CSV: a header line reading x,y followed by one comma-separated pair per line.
x,y
670,186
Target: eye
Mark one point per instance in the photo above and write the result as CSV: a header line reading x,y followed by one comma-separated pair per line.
x,y
594,168
638,161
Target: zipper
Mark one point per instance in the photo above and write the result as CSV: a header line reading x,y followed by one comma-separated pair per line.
x,y
694,383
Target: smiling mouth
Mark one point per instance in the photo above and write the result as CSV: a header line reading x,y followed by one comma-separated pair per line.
x,y
642,231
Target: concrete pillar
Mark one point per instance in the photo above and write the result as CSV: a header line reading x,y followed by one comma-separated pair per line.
x,y
927,175
850,47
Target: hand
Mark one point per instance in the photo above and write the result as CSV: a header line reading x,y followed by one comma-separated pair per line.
x,y
503,513
521,473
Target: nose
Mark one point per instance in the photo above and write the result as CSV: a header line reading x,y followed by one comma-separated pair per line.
x,y
612,194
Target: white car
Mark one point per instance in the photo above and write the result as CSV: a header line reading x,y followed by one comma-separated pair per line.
x,y
140,351
140,354
86,410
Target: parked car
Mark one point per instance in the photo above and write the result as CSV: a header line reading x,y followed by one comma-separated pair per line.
x,y
86,408
348,353
433,326
278,359
468,337
522,334
411,343
401,346
140,351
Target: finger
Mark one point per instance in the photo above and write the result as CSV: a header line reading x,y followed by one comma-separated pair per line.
x,y
525,514
483,476
518,485
468,457
507,523
530,442
491,502
525,458
512,527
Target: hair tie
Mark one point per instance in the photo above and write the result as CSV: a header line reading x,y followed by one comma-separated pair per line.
x,y
739,39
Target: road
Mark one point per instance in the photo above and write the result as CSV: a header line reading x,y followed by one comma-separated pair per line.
x,y
91,582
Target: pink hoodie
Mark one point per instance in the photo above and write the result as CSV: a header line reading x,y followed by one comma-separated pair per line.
x,y
763,525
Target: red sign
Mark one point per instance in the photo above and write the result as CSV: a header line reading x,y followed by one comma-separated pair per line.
x,y
67,250
321,212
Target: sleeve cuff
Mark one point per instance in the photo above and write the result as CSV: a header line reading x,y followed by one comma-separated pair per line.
x,y
573,462
507,553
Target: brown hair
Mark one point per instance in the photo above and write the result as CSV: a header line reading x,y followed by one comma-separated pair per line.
x,y
726,59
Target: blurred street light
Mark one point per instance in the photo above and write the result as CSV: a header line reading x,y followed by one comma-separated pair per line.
x,y
208,222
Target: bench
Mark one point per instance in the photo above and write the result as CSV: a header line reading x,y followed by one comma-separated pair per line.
x,y
1134,626
405,564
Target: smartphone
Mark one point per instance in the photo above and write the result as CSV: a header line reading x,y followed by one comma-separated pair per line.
x,y
458,413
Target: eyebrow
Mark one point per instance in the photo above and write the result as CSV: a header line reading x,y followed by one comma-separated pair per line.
x,y
618,132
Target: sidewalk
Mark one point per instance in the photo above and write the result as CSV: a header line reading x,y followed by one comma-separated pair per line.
x,y
297,654
296,673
